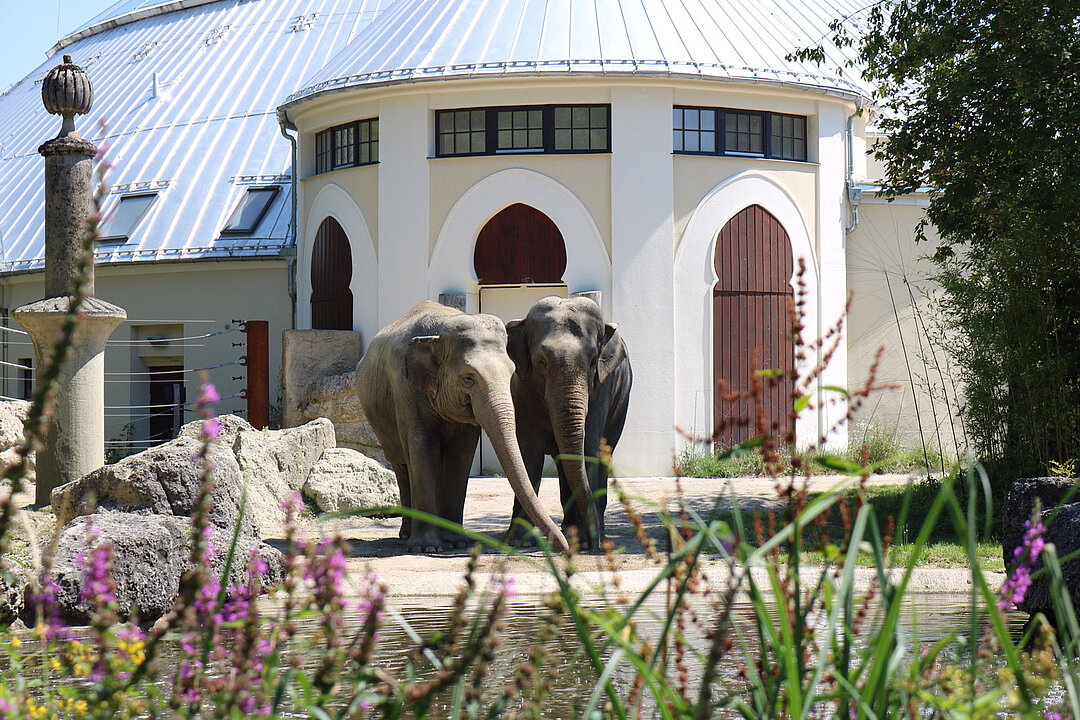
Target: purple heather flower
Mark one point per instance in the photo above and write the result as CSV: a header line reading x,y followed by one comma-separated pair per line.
x,y
212,429
45,604
97,590
208,394
1026,554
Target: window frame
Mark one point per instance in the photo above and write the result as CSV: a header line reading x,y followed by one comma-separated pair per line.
x,y
330,153
274,190
491,130
104,239
720,134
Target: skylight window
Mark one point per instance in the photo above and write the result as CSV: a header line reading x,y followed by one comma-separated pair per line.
x,y
251,210
125,215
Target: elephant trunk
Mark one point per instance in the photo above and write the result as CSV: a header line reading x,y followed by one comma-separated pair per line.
x,y
494,410
571,398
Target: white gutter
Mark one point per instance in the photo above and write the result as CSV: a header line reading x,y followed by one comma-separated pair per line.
x,y
284,126
125,19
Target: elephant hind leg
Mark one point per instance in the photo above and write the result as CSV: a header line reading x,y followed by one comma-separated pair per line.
x,y
401,471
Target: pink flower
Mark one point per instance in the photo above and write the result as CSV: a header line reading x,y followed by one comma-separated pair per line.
x,y
208,394
211,429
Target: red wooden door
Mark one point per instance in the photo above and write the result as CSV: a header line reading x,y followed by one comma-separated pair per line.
x,y
519,245
331,273
750,314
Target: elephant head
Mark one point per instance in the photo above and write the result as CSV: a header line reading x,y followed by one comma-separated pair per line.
x,y
564,351
465,372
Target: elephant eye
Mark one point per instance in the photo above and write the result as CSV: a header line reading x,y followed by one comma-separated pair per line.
x,y
468,381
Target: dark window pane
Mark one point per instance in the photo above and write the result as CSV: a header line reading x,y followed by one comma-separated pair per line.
x,y
562,140
123,218
446,121
462,145
562,117
253,206
505,139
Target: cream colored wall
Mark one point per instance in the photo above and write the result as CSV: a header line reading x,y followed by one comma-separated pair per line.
x,y
696,176
163,299
586,176
875,169
883,256
362,183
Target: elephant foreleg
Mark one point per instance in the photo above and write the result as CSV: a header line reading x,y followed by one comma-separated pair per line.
x,y
424,472
457,457
519,533
401,472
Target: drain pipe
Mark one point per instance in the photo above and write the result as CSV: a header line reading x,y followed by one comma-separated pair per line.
x,y
284,125
854,194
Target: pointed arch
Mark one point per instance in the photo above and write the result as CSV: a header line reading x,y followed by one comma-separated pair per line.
x,y
519,244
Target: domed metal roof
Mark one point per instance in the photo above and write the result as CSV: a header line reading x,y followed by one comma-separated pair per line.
x,y
733,40
187,92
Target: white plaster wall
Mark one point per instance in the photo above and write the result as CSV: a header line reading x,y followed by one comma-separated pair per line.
x,y
831,252
588,266
333,201
404,199
642,208
695,277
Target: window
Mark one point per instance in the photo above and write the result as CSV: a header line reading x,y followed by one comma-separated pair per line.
x,y
520,130
695,130
744,132
722,131
788,136
26,378
125,215
582,127
462,132
251,210
348,145
525,129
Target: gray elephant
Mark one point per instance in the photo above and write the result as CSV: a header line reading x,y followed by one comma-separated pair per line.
x,y
428,382
571,390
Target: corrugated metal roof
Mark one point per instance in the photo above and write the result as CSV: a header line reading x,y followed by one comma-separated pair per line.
x,y
221,68
735,40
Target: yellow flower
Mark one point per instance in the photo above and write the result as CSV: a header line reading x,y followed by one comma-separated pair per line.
x,y
15,642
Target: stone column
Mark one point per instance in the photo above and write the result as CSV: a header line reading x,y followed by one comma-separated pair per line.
x,y
75,444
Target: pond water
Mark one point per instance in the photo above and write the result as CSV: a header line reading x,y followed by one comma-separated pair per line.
x,y
573,679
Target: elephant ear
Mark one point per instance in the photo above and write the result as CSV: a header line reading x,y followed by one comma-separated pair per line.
x,y
612,352
517,347
422,365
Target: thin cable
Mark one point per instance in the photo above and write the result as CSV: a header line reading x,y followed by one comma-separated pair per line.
x,y
4,363
13,330
153,373
5,397
162,341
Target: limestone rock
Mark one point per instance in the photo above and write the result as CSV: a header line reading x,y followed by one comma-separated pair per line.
x,y
12,416
231,427
150,553
345,479
163,480
1063,532
12,595
275,463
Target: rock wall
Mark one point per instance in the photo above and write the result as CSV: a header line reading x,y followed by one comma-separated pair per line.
x,y
319,367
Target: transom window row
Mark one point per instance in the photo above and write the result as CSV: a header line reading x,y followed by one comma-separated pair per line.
x,y
524,129
724,131
354,143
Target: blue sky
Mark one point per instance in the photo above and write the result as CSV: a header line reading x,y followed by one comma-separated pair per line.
x,y
29,27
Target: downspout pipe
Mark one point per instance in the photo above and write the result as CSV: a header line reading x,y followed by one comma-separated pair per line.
x,y
285,125
854,194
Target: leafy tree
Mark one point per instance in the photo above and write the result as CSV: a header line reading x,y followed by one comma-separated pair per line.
x,y
981,103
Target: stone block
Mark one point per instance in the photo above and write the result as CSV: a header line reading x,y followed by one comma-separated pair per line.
x,y
344,480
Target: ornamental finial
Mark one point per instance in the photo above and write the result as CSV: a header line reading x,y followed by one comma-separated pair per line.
x,y
67,91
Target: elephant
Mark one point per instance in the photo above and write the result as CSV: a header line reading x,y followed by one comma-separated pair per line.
x,y
428,383
571,388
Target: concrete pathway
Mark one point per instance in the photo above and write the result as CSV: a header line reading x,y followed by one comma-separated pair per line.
x,y
374,543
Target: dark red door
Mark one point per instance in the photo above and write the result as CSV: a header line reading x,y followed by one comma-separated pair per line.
x,y
519,245
750,315
331,273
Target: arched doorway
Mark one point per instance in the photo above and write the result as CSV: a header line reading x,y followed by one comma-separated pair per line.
x,y
754,265
520,245
331,273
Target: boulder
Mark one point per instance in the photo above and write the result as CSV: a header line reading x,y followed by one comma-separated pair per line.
x,y
231,427
275,463
150,553
12,595
345,479
163,480
335,397
1063,532
12,416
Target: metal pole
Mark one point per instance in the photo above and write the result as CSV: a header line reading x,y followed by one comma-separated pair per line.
x,y
257,362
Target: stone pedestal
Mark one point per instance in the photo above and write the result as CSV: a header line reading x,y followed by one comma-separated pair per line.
x,y
75,443
69,203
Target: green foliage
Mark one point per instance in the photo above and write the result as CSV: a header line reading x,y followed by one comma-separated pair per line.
x,y
980,103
